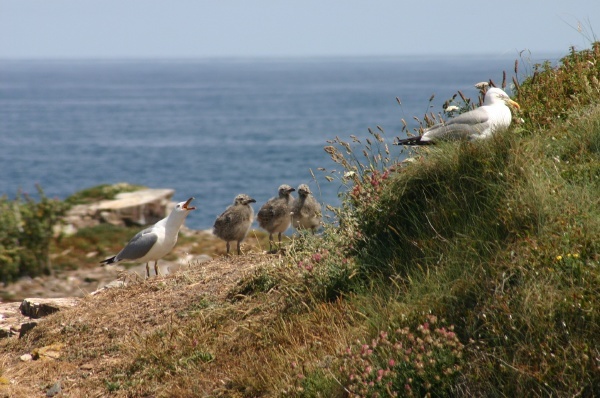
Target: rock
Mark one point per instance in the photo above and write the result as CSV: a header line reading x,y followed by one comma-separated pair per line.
x,y
202,258
26,357
40,307
87,366
16,318
142,207
26,327
49,352
54,390
111,218
11,319
91,254
111,285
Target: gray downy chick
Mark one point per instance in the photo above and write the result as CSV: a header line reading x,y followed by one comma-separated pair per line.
x,y
234,223
306,211
274,216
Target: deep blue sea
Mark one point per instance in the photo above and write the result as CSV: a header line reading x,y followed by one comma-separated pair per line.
x,y
210,128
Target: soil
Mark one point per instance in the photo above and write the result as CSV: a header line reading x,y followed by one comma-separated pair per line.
x,y
109,317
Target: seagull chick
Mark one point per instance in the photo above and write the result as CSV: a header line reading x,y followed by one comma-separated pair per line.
x,y
479,123
155,242
234,223
306,211
274,216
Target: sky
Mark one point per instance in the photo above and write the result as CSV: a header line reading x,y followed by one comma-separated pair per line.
x,y
283,28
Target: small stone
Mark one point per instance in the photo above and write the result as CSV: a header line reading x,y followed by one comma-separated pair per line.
x,y
26,357
86,366
26,327
54,390
91,254
51,351
40,307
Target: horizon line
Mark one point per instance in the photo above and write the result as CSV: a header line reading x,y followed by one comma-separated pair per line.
x,y
516,55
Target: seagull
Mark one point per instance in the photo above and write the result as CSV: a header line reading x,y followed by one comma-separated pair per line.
x,y
479,123
234,223
274,216
306,211
155,242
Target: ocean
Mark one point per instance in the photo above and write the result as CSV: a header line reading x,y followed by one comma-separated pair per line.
x,y
211,128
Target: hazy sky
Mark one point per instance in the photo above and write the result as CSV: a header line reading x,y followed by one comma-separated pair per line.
x,y
199,28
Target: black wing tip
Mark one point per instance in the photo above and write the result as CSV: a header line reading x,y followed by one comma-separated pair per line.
x,y
109,260
410,141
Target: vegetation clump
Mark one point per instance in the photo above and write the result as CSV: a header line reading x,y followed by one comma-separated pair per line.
x,y
101,192
26,231
498,237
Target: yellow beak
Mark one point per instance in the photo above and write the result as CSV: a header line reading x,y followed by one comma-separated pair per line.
x,y
513,103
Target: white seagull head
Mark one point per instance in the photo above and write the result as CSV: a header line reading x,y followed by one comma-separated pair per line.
x,y
496,96
184,207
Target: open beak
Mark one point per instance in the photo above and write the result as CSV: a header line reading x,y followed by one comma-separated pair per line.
x,y
513,103
186,205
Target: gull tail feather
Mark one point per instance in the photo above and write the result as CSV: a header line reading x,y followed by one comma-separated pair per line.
x,y
111,260
413,141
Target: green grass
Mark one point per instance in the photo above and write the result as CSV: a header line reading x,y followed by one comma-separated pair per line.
x,y
101,192
499,238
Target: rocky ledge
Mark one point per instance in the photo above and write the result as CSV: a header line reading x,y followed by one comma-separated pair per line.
x,y
142,207
16,319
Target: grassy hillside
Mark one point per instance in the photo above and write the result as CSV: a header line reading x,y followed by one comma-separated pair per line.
x,y
472,270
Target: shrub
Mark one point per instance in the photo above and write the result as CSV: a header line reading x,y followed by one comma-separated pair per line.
x,y
26,233
405,363
551,92
101,192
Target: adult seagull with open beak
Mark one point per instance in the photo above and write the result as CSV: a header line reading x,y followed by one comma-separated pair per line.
x,y
480,123
155,242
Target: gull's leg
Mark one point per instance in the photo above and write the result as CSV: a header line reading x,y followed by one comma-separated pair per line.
x,y
238,247
156,268
227,247
148,270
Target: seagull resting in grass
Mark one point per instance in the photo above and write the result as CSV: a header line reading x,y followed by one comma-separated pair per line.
x,y
155,242
480,123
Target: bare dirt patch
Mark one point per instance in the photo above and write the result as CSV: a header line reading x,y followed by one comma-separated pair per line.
x,y
90,339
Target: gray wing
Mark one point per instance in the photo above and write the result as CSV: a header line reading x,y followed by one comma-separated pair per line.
x,y
272,210
455,131
222,221
467,125
476,116
139,245
266,212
